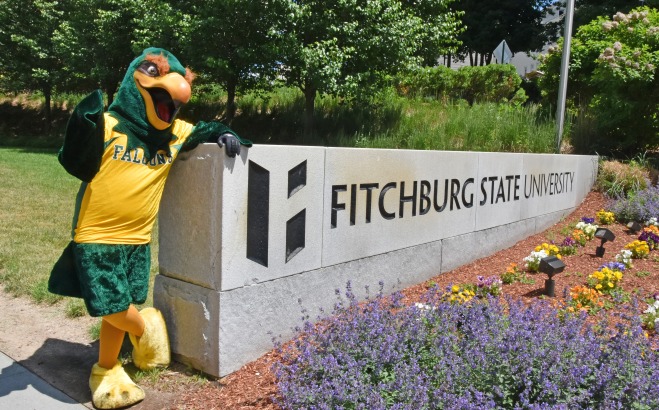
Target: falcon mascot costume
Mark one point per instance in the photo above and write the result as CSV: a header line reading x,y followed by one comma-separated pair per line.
x,y
123,157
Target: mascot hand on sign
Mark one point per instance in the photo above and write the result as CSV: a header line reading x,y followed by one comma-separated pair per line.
x,y
123,157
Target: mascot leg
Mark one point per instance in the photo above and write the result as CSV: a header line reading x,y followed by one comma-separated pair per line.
x,y
151,348
111,386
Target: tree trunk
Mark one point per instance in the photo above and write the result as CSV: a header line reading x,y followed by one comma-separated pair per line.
x,y
489,58
47,93
110,91
471,59
309,107
231,101
448,62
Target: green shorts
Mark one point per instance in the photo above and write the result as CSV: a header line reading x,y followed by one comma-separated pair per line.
x,y
110,277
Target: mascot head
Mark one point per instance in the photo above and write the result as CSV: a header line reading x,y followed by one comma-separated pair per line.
x,y
153,90
163,83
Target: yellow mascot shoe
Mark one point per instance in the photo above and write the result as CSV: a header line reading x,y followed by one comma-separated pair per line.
x,y
113,388
151,350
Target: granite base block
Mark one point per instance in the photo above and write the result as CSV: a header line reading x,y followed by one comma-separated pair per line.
x,y
462,249
218,332
192,314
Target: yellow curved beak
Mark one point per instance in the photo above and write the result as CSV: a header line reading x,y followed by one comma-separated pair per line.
x,y
163,96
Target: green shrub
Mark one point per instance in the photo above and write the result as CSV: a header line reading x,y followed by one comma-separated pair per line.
x,y
613,76
617,179
427,82
491,83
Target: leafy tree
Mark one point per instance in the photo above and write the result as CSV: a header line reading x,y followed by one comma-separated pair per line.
x,y
519,22
29,61
101,37
236,43
442,28
613,79
586,11
349,48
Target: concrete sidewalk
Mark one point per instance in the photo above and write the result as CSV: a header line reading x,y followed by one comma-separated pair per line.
x,y
21,389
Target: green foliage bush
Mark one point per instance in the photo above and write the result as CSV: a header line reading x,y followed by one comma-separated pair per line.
x,y
492,83
613,82
617,179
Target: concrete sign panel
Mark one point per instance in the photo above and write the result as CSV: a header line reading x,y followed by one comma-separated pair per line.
x,y
377,201
243,240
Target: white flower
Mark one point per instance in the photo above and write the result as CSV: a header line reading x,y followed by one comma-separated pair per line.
x,y
533,260
607,25
652,221
621,17
617,46
625,257
423,306
588,229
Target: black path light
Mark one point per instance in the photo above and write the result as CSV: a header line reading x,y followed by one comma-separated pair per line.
x,y
551,265
606,236
634,226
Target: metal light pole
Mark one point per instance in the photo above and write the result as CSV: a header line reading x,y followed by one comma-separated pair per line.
x,y
565,63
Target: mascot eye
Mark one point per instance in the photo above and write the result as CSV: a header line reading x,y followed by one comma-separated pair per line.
x,y
149,69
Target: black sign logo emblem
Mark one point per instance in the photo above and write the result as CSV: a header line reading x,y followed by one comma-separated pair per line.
x,y
258,213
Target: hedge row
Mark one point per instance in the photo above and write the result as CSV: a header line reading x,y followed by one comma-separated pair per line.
x,y
491,83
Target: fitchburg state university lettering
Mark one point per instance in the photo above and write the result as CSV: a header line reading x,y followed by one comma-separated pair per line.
x,y
421,197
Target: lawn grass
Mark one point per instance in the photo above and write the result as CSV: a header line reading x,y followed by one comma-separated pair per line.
x,y
36,207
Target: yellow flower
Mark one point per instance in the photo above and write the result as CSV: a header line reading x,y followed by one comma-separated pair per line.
x,y
598,286
455,288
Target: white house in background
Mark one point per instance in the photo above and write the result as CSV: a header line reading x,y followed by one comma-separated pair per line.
x,y
525,63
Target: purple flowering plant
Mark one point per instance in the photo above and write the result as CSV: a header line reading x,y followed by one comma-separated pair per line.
x,y
568,246
488,286
650,237
491,353
588,220
614,266
642,206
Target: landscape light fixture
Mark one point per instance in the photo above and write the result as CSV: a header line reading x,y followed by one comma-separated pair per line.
x,y
606,236
551,265
634,226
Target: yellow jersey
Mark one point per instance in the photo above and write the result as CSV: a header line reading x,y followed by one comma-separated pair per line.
x,y
120,204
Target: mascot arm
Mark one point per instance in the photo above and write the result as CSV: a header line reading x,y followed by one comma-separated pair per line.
x,y
83,142
216,132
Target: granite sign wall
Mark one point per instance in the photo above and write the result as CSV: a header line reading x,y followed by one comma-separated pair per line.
x,y
246,241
